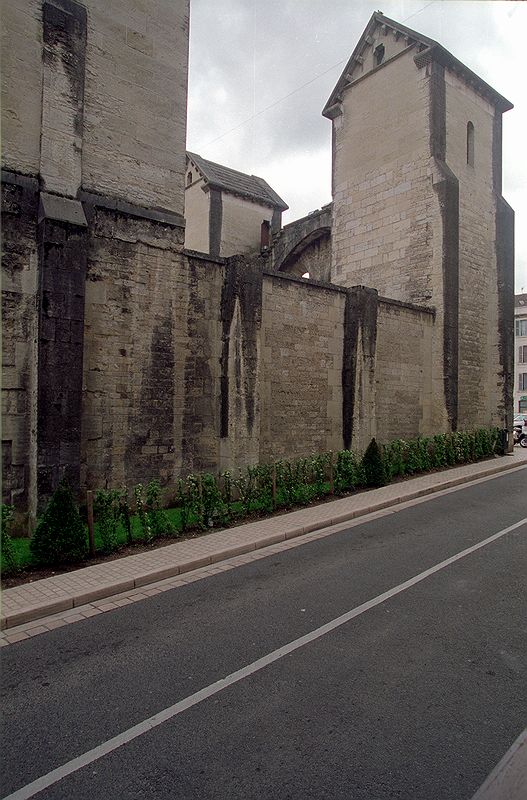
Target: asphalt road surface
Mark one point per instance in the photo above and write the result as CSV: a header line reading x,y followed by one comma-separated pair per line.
x,y
416,695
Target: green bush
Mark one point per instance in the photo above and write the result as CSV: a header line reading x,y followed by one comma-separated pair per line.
x,y
60,535
154,521
190,503
373,465
394,459
159,522
9,557
346,475
107,512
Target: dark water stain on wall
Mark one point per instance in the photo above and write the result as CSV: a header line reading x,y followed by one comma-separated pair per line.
x,y
62,264
199,408
360,324
64,33
447,191
242,286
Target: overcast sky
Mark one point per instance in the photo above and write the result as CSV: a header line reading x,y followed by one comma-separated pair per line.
x,y
262,70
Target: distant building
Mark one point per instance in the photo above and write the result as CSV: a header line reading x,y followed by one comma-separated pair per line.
x,y
228,212
520,353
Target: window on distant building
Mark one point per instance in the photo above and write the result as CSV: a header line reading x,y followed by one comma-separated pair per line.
x,y
265,234
521,327
470,144
522,405
189,178
522,381
378,55
522,354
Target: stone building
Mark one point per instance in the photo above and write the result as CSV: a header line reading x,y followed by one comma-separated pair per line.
x,y
418,212
128,357
520,354
227,212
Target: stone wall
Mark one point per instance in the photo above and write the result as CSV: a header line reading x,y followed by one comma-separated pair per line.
x,y
197,209
403,393
136,101
20,310
480,389
301,368
108,120
241,224
21,61
151,358
381,233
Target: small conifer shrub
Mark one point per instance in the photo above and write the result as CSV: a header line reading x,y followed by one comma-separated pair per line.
x,y
60,535
373,465
9,557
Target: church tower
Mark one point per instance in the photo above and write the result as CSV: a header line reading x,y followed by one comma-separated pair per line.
x,y
418,212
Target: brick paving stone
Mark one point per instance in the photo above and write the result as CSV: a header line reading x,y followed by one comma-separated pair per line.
x,y
56,623
37,630
16,637
89,612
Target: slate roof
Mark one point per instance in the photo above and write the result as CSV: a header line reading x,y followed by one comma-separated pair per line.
x,y
429,50
230,180
520,300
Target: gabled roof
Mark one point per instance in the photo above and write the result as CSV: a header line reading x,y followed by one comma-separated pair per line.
x,y
230,180
426,50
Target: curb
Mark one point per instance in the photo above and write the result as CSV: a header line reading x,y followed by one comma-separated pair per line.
x,y
33,613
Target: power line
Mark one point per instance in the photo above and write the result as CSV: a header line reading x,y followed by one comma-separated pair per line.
x,y
418,11
294,91
275,103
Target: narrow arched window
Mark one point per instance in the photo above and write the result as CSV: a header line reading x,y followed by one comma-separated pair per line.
x,y
189,178
470,144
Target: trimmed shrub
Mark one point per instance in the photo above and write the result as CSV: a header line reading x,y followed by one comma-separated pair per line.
x,y
9,557
60,535
373,465
394,463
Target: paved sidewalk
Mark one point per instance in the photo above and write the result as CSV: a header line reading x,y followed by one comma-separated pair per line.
x,y
94,588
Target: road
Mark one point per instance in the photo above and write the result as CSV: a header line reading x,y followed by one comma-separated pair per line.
x,y
416,695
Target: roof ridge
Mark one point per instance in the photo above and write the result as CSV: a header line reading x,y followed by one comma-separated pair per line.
x,y
232,180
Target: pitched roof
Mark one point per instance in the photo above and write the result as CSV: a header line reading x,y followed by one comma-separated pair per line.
x,y
429,50
250,186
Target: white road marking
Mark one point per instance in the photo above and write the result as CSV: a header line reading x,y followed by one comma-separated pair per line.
x,y
56,775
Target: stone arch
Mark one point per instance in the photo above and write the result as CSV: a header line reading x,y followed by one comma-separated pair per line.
x,y
305,246
297,259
